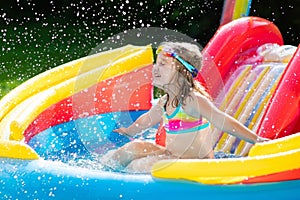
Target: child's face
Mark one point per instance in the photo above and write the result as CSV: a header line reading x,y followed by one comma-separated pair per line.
x,y
164,71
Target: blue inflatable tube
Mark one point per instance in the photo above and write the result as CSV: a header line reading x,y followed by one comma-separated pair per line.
x,y
41,179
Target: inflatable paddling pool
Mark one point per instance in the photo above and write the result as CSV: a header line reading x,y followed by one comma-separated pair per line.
x,y
68,114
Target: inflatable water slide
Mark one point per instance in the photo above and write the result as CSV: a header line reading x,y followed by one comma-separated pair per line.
x,y
68,114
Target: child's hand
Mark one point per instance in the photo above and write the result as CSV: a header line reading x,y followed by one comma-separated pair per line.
x,y
261,139
162,101
123,131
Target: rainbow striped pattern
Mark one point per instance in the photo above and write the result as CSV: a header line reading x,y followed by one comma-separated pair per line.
x,y
179,122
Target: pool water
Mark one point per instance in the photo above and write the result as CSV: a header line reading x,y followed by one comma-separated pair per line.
x,y
69,148
94,161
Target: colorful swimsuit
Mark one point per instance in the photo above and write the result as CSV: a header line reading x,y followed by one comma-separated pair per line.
x,y
179,122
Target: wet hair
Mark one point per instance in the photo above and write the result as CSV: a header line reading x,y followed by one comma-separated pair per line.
x,y
190,53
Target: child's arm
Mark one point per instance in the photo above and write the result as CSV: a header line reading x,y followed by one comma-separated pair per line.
x,y
202,106
147,120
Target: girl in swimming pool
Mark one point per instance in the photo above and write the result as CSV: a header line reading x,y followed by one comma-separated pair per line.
x,y
186,111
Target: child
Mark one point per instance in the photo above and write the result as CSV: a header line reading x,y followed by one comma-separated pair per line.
x,y
186,110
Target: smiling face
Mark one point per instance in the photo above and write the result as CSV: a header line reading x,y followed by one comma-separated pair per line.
x,y
164,71
173,72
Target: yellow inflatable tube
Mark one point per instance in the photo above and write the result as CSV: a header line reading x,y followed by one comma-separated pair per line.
x,y
17,150
20,116
59,74
266,158
287,143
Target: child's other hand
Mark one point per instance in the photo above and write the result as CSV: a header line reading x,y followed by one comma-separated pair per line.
x,y
123,131
261,139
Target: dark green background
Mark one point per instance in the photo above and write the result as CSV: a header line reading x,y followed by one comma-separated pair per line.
x,y
37,35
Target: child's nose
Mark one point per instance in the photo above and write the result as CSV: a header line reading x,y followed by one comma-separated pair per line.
x,y
155,69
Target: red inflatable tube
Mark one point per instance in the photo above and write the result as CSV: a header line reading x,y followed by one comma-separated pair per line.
x,y
230,42
282,116
280,176
132,95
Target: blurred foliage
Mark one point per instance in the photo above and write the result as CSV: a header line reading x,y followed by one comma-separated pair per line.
x,y
38,35
284,14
